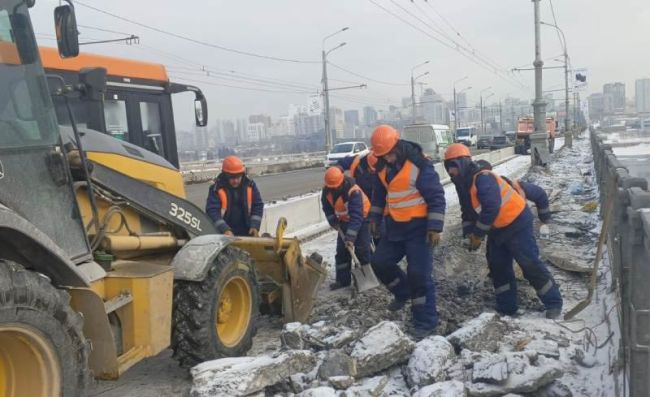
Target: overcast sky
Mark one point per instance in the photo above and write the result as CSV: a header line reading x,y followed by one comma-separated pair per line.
x,y
609,38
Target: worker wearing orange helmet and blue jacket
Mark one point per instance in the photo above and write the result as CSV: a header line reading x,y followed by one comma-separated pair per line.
x,y
490,206
408,192
234,203
346,208
362,168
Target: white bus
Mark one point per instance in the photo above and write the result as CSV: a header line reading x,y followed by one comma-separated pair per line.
x,y
434,138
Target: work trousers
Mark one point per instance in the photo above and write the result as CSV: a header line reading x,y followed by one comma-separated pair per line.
x,y
361,250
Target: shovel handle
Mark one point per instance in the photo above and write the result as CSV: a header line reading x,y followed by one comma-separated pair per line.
x,y
355,260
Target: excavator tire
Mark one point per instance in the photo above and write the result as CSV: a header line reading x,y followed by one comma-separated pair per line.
x,y
43,351
216,317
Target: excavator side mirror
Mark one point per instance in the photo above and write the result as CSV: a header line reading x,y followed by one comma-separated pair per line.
x,y
67,36
201,111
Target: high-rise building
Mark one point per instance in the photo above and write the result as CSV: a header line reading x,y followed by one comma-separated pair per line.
x,y
596,106
337,124
352,117
308,124
433,108
260,118
461,100
369,115
617,93
256,132
642,95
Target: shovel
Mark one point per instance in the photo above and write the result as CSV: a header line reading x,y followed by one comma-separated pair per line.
x,y
364,277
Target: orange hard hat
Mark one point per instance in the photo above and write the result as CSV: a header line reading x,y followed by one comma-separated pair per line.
x,y
456,150
372,160
333,177
233,165
383,140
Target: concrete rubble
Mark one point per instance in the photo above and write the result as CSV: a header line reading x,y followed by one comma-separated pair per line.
x,y
452,388
428,361
481,333
380,348
372,387
337,363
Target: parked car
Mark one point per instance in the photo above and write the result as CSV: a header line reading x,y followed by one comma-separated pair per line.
x,y
345,149
499,142
483,142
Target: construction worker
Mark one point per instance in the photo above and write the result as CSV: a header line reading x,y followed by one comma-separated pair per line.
x,y
527,190
362,169
234,203
489,205
409,193
346,208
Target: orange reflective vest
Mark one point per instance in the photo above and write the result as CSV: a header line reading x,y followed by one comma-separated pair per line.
x,y
512,204
403,200
341,206
355,165
223,196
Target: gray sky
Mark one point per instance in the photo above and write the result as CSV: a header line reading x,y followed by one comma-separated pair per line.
x,y
609,38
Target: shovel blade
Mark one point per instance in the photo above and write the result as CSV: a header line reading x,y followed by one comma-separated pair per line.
x,y
364,278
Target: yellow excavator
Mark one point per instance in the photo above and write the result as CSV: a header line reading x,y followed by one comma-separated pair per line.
x,y
102,261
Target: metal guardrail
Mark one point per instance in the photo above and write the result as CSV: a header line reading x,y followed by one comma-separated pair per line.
x,y
629,252
258,160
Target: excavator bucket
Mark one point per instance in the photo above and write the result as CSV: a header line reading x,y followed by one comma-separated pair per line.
x,y
288,281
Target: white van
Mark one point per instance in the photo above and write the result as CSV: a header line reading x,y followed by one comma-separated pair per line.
x,y
345,149
467,135
434,138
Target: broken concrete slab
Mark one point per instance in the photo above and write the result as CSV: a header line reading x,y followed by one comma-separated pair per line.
x,y
564,263
322,391
291,336
318,336
428,361
555,389
240,376
523,377
544,347
341,382
452,388
480,333
490,368
337,363
372,387
381,347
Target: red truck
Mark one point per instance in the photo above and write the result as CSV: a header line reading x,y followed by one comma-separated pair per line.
x,y
526,126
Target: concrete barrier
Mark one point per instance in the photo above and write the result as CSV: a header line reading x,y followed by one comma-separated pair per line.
x,y
628,241
306,212
204,175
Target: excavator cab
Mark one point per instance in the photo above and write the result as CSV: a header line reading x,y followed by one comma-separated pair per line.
x,y
102,261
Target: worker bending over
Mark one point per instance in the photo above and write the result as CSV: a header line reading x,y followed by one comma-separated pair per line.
x,y
346,208
489,205
528,191
234,203
362,168
409,193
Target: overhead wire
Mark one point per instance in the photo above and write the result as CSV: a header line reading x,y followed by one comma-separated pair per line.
x,y
341,68
184,78
196,41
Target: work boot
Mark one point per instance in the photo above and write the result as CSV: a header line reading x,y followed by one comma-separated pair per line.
x,y
396,305
553,313
336,285
420,332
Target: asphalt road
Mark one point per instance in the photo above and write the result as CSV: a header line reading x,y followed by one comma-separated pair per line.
x,y
273,187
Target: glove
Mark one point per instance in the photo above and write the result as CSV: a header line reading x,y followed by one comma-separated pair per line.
x,y
474,242
544,232
374,230
228,233
253,232
433,238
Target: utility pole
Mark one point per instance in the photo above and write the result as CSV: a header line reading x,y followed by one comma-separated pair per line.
x,y
481,104
413,80
539,146
456,103
326,95
500,117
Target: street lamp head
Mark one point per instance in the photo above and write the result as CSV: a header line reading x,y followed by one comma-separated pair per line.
x,y
344,29
425,73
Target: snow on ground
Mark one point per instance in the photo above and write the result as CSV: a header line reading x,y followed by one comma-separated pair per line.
x,y
634,150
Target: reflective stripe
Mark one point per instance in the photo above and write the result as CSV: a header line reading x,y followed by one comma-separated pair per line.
x,y
483,226
505,198
436,216
413,176
376,210
220,222
543,210
468,223
402,194
352,232
256,218
420,301
342,266
478,209
502,289
393,283
408,203
547,287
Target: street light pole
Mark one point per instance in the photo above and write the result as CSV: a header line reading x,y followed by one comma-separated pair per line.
x,y
326,96
455,103
457,117
538,152
568,137
413,79
481,105
482,121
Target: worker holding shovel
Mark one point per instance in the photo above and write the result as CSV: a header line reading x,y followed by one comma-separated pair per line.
x,y
346,208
